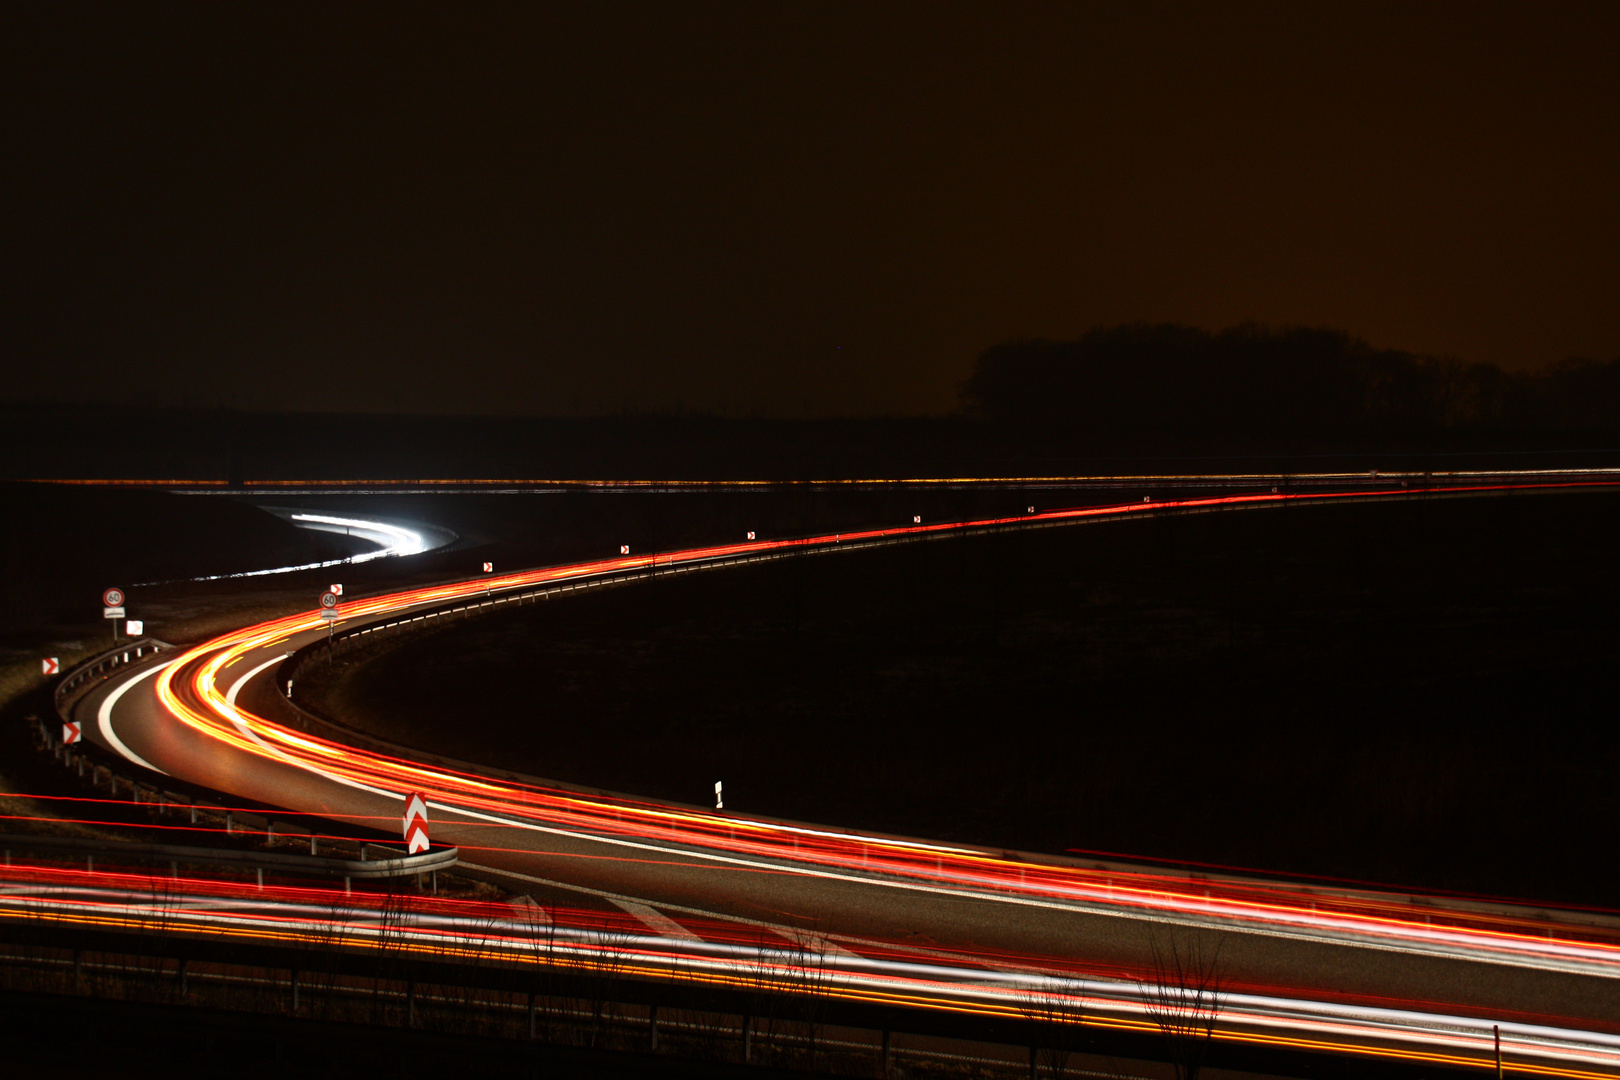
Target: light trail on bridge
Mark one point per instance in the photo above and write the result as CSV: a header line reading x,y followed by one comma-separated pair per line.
x,y
724,955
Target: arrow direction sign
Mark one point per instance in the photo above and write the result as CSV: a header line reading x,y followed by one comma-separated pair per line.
x,y
624,549
489,567
50,665
335,590
416,823
70,733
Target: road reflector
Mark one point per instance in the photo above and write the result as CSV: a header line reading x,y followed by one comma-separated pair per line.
x,y
416,823
70,733
50,665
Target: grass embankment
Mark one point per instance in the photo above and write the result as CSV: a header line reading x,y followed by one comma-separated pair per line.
x,y
1411,693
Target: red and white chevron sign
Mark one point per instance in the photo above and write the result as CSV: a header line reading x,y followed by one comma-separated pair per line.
x,y
416,824
70,733
50,665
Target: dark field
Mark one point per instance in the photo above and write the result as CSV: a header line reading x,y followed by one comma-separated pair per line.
x,y
1415,693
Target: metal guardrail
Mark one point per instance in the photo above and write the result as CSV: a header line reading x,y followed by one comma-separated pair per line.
x,y
106,662
302,865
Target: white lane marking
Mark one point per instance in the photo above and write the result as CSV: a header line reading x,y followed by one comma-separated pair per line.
x,y
104,719
236,687
654,920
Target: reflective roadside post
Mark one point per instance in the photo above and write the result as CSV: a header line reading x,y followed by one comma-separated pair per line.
x,y
719,799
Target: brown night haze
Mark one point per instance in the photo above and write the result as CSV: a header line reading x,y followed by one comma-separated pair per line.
x,y
795,210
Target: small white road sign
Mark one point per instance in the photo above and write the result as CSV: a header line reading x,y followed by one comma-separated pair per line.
x,y
489,568
50,665
71,733
719,798
112,598
416,823
112,613
750,534
134,627
916,519
335,590
624,549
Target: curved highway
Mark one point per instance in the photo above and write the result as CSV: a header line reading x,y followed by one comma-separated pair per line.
x,y
1302,960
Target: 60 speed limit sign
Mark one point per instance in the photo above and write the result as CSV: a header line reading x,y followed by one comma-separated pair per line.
x,y
329,600
112,598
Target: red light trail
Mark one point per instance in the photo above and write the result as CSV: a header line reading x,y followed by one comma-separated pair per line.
x,y
193,690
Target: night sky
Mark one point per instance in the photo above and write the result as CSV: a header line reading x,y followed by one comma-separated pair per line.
x,y
794,209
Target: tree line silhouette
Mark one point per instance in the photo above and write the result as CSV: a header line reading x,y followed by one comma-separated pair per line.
x,y
1163,384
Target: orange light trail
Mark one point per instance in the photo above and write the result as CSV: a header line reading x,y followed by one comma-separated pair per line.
x,y
190,689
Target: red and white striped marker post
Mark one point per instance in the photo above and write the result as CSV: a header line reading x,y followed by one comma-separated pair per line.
x,y
50,665
416,823
71,733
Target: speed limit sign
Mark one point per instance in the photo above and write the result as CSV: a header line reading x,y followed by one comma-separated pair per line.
x,y
112,598
329,600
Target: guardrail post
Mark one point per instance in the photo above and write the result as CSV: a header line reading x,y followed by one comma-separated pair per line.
x,y
78,971
294,974
652,1026
182,977
1032,1063
410,1002
531,1014
887,1037
259,870
748,1038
